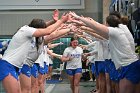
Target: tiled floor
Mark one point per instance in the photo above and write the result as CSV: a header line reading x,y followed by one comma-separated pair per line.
x,y
64,87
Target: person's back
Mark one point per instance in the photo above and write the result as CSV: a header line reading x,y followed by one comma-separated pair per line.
x,y
18,46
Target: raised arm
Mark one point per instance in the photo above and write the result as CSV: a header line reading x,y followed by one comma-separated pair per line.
x,y
51,28
53,54
56,34
99,28
54,45
55,18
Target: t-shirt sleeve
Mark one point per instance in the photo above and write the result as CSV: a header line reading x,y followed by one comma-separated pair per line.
x,y
81,50
113,32
28,31
66,52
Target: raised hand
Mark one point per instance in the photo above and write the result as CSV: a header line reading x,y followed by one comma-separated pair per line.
x,y
65,17
56,14
78,22
74,15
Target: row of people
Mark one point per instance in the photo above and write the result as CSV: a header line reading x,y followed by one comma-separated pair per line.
x,y
113,38
24,54
122,53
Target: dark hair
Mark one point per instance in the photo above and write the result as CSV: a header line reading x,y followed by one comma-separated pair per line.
x,y
116,13
113,21
72,39
38,23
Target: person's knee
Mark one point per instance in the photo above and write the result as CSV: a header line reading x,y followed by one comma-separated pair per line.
x,y
76,84
40,82
26,87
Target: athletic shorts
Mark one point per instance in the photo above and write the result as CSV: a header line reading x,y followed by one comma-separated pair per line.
x,y
72,72
93,68
111,69
130,72
6,68
107,63
26,70
42,70
34,70
100,67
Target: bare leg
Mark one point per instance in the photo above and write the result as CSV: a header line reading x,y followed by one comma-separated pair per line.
x,y
108,85
102,83
50,72
138,88
97,83
25,83
116,87
11,85
34,85
41,83
76,82
71,78
125,86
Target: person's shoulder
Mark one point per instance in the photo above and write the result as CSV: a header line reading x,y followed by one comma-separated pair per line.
x,y
26,27
68,48
114,30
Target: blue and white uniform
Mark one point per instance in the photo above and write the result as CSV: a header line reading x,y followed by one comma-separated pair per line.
x,y
75,65
17,52
38,66
99,58
122,53
31,58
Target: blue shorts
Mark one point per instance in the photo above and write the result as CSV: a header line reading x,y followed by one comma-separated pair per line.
x,y
34,70
93,68
1,46
72,72
6,69
111,69
46,68
26,70
41,70
131,72
107,63
100,67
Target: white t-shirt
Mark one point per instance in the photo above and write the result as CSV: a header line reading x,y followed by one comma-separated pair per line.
x,y
41,57
46,59
18,47
106,51
128,35
75,54
99,49
120,48
91,48
32,54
